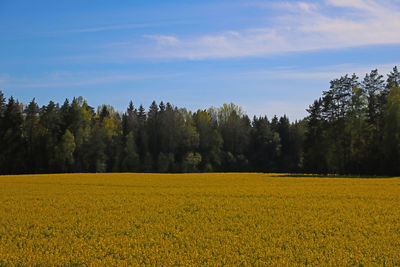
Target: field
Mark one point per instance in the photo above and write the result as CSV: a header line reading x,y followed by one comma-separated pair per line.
x,y
198,219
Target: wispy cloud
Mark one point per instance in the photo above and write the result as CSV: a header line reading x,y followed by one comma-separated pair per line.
x,y
333,24
322,73
74,79
163,39
357,4
109,28
124,26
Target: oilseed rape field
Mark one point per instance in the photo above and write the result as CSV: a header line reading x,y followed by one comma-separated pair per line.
x,y
198,219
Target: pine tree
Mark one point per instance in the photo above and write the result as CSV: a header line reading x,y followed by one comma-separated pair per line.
x,y
391,139
3,107
31,135
14,147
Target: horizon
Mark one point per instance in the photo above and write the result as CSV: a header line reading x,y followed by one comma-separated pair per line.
x,y
269,58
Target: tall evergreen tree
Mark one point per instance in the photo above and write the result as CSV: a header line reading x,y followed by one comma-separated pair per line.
x,y
265,147
316,140
14,146
393,79
3,107
50,125
2,104
391,139
30,133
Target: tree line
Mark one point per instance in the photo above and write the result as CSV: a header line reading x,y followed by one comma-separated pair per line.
x,y
354,128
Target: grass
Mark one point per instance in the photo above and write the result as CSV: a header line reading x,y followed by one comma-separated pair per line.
x,y
198,219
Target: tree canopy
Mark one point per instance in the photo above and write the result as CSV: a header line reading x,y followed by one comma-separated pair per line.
x,y
354,128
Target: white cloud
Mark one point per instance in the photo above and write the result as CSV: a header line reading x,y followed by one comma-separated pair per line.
x,y
306,6
163,39
228,44
358,4
323,74
308,27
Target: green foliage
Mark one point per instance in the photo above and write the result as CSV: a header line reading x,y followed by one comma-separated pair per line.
x,y
354,128
31,133
131,158
64,152
391,136
192,160
162,163
148,163
13,147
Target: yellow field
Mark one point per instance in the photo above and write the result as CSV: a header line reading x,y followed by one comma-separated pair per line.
x,y
198,219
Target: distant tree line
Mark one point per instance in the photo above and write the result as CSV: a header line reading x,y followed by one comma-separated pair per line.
x,y
354,128
74,137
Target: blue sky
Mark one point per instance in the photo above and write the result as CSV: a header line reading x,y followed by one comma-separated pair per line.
x,y
270,57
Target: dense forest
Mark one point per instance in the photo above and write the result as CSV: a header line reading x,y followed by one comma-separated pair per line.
x,y
354,128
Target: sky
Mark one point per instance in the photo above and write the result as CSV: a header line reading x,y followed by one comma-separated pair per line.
x,y
270,57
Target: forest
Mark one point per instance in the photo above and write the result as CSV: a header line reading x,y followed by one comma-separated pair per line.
x,y
353,128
